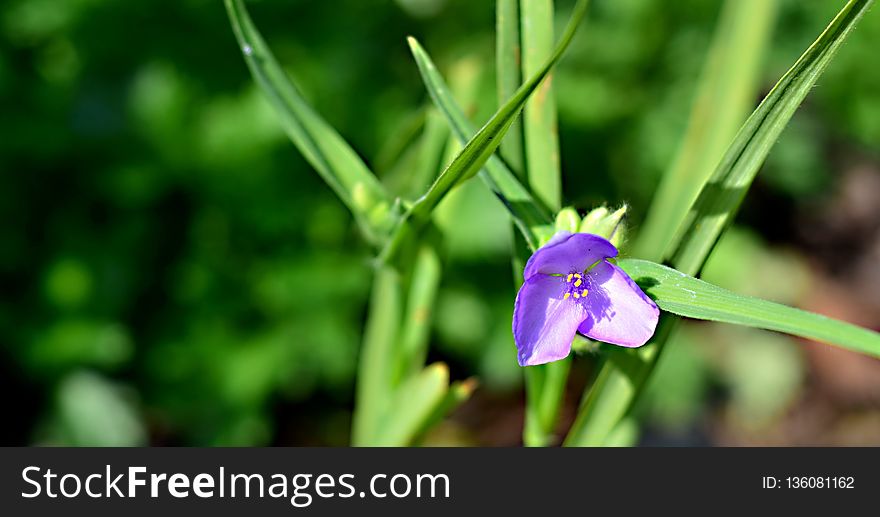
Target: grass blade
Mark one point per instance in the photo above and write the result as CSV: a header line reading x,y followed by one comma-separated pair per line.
x,y
481,147
531,218
687,296
724,97
721,196
475,153
340,167
607,403
432,149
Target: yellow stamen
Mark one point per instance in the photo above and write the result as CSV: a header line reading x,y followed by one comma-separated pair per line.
x,y
576,296
584,292
568,278
577,283
565,297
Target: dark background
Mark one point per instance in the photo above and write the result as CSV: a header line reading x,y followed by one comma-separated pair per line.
x,y
174,273
476,476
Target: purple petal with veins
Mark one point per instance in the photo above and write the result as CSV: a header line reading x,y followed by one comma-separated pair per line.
x,y
618,312
545,322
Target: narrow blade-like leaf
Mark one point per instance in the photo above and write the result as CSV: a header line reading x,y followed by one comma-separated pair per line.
x,y
475,153
606,403
325,150
530,217
721,196
725,95
481,147
687,296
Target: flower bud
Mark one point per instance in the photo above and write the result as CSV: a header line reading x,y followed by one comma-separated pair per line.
x,y
610,225
618,236
568,220
593,221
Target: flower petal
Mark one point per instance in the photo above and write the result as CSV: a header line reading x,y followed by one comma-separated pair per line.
x,y
544,323
567,253
618,312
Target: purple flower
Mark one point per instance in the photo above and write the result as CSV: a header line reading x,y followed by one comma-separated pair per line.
x,y
571,287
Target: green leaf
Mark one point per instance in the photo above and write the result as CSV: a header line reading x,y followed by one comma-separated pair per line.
x,y
413,155
530,217
721,196
340,166
414,404
724,97
475,153
687,296
616,387
432,150
479,148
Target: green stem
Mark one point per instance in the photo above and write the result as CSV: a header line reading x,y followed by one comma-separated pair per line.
x,y
508,63
375,366
416,328
545,384
539,115
616,389
545,388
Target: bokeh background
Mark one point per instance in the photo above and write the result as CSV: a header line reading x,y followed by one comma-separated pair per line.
x,y
174,273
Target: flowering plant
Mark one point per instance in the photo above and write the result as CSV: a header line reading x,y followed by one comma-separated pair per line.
x,y
575,279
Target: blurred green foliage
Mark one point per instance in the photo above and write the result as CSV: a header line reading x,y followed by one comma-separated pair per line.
x,y
174,273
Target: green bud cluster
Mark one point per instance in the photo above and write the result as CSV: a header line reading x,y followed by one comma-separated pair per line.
x,y
599,221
